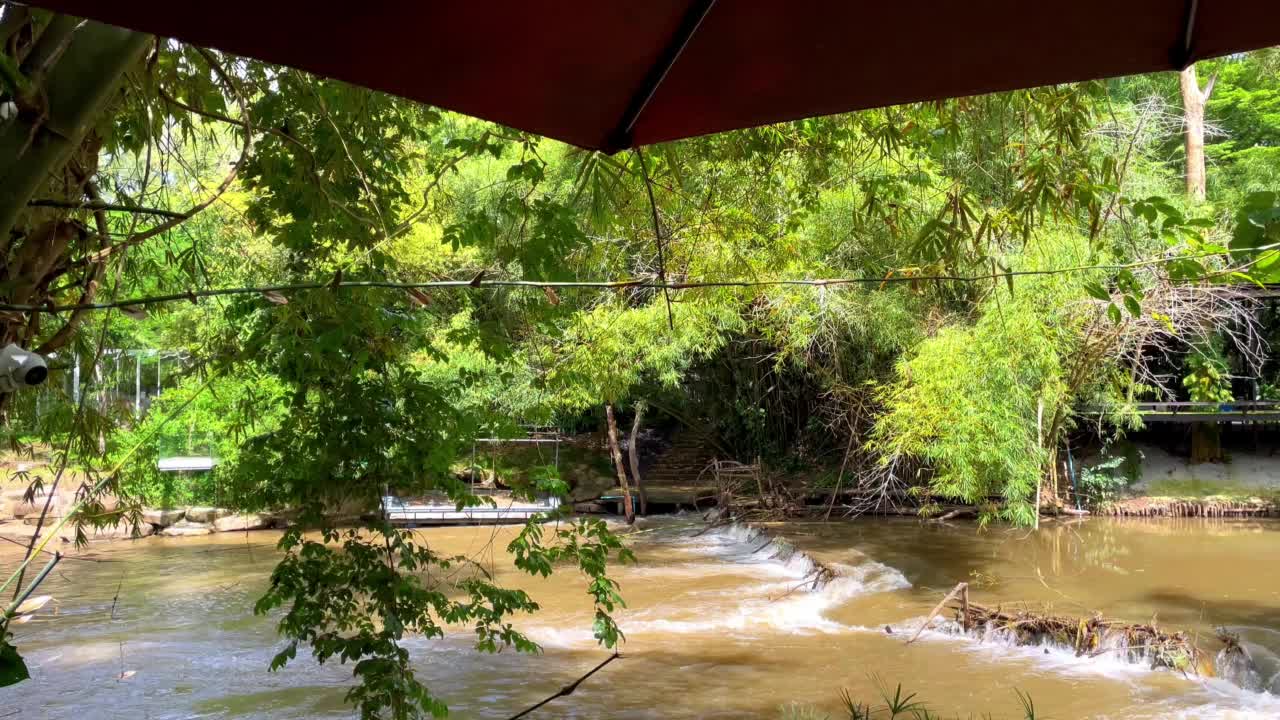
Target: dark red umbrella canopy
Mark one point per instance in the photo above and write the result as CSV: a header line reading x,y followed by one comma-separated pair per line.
x,y
609,74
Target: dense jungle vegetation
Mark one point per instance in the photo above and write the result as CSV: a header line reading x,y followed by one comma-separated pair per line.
x,y
915,299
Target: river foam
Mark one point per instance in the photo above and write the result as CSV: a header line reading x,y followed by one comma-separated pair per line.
x,y
779,589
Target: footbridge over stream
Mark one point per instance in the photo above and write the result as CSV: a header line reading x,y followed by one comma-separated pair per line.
x,y
1245,412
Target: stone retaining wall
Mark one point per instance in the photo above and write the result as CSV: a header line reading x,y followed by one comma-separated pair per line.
x,y
1215,507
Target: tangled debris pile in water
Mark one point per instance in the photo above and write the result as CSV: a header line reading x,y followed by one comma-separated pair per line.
x,y
1091,637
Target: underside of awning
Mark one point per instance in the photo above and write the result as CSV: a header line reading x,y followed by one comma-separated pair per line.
x,y
608,75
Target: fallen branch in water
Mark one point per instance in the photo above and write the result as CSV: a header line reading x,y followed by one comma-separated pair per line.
x,y
958,512
567,689
960,589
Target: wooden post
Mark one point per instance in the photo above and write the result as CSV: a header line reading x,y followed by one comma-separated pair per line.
x,y
628,510
755,470
634,455
964,607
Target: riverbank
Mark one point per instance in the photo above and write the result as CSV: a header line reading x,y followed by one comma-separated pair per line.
x,y
1246,483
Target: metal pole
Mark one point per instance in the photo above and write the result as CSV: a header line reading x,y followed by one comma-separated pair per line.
x,y
137,384
1071,468
159,362
75,378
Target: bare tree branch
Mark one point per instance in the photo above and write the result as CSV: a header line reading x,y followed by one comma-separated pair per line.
x,y
99,205
567,689
226,183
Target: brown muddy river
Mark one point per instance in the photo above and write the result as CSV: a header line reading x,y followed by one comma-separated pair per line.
x,y
715,628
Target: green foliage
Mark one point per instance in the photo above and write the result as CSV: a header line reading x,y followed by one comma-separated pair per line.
x,y
967,400
1104,481
216,422
1208,379
605,352
354,595
349,380
893,704
13,669
1256,239
589,543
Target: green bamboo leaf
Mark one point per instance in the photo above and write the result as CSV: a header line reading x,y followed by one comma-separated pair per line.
x,y
1113,312
1097,291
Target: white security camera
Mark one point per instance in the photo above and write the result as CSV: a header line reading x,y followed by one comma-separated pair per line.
x,y
20,369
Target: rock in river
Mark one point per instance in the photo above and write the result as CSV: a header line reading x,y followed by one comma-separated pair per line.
x,y
186,528
206,514
248,521
162,518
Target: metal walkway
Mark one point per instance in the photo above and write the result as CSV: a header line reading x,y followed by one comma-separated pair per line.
x,y
1243,411
399,512
186,463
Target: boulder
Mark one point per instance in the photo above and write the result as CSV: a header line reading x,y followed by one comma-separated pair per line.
x,y
185,528
163,518
32,510
206,514
245,521
34,518
590,507
587,482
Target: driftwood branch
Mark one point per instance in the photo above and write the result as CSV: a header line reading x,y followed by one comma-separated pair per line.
x,y
567,689
961,589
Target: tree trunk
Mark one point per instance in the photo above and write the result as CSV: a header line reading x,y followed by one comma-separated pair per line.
x,y
1193,101
634,456
70,78
628,511
75,69
1206,443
